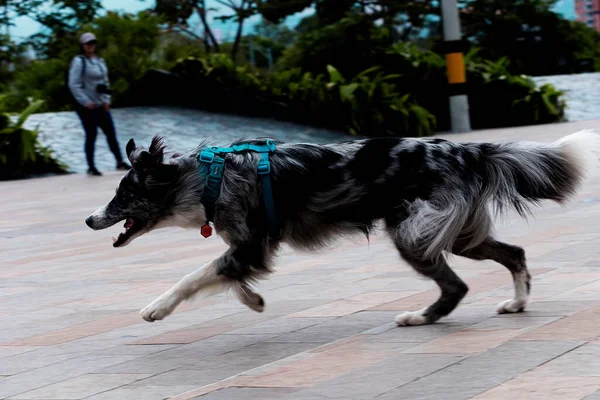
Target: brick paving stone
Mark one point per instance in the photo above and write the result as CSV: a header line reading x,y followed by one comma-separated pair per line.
x,y
543,388
467,341
579,326
249,393
70,324
499,364
57,372
321,367
146,392
584,361
381,376
80,387
416,390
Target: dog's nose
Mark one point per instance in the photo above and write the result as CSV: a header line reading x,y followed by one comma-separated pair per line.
x,y
89,221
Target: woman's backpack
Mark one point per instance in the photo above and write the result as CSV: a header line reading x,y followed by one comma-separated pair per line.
x,y
72,98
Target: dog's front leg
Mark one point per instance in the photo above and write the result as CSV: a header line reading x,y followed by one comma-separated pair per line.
x,y
239,265
207,278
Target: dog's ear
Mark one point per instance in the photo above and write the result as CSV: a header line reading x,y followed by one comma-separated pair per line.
x,y
148,160
130,148
157,148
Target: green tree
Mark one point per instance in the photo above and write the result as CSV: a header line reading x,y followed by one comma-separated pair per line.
x,y
177,13
13,8
404,19
536,40
61,19
352,44
275,32
241,11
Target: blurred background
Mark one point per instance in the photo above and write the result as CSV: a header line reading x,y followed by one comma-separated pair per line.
x,y
309,69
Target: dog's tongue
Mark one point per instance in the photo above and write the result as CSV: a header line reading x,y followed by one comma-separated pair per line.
x,y
128,223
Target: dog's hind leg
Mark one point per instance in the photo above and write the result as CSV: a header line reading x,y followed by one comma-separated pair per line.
x,y
414,247
513,258
452,287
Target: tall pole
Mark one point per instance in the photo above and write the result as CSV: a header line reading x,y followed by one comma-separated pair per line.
x,y
455,66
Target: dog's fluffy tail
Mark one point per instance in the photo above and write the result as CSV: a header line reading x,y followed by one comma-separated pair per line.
x,y
521,174
512,175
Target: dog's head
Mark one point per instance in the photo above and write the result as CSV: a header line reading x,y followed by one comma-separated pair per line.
x,y
145,196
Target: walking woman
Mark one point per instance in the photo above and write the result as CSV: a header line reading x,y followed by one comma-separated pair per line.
x,y
88,83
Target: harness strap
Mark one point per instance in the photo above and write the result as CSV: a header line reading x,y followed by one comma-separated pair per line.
x,y
212,167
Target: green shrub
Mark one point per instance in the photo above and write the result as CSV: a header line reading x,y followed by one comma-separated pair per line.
x,y
174,47
352,44
41,79
496,97
499,99
368,104
21,154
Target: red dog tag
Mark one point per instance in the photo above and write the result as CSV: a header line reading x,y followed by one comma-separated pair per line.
x,y
206,231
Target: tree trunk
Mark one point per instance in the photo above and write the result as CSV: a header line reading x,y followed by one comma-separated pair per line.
x,y
238,37
202,14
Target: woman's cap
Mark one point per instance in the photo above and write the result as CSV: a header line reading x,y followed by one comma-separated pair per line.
x,y
87,37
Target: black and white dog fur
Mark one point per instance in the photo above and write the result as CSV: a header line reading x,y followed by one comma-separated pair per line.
x,y
432,195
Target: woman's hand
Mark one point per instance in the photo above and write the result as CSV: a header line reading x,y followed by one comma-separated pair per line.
x,y
106,106
91,106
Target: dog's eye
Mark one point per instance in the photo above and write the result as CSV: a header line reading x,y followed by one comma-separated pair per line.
x,y
124,196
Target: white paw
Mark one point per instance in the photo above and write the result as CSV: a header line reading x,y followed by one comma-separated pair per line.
x,y
159,308
411,318
511,306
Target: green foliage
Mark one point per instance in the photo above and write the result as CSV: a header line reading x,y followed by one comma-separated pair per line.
x,y
535,39
339,69
61,19
368,104
501,99
21,154
373,106
277,10
352,44
174,47
497,98
43,79
129,44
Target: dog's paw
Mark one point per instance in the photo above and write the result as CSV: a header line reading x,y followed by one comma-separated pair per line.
x,y
158,309
256,303
411,318
511,306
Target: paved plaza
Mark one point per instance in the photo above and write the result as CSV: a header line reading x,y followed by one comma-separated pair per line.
x,y
70,326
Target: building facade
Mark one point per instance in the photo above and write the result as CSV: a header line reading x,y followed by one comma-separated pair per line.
x,y
588,12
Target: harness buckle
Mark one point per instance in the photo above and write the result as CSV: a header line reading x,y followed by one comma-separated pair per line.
x,y
207,156
264,167
215,170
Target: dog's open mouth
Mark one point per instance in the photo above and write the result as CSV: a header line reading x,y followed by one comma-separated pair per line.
x,y
132,228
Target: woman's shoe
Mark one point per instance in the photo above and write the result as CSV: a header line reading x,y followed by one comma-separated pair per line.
x,y
123,166
94,172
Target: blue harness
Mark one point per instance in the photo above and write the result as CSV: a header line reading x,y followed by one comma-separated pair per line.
x,y
212,163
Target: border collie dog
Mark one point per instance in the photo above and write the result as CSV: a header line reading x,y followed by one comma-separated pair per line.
x,y
434,196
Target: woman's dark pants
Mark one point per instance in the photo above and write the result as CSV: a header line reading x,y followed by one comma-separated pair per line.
x,y
91,121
